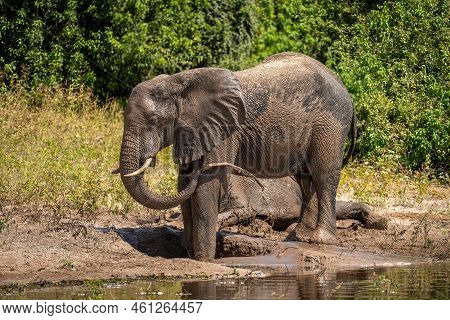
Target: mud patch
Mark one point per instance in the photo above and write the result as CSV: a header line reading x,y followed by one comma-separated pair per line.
x,y
37,248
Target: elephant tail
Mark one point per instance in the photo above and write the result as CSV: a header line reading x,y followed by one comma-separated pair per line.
x,y
353,140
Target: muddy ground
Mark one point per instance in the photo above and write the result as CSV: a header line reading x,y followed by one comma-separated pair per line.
x,y
41,246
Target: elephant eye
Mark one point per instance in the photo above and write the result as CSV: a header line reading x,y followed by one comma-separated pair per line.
x,y
151,120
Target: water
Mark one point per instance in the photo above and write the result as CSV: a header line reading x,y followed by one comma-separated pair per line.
x,y
427,281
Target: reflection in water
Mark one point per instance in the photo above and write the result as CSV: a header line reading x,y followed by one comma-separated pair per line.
x,y
429,281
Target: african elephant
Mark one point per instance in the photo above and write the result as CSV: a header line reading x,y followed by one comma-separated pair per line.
x,y
287,116
278,202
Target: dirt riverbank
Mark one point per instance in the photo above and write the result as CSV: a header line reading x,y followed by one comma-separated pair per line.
x,y
37,246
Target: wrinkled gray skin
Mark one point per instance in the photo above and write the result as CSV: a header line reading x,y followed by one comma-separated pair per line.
x,y
278,202
288,116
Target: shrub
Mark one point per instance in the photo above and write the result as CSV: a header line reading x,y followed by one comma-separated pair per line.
x,y
110,46
393,56
395,62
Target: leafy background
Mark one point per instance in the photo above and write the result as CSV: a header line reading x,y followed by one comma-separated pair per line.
x,y
393,56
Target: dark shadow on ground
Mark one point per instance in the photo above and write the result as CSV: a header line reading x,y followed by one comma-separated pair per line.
x,y
167,242
160,241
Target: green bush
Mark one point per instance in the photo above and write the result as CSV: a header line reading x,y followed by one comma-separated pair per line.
x,y
112,45
395,62
428,141
393,56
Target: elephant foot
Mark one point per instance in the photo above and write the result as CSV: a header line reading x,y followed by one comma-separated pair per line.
x,y
320,235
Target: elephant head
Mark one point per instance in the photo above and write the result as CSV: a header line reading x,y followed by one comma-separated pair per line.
x,y
193,110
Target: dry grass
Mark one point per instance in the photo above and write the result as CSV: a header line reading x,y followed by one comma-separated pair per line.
x,y
58,147
387,185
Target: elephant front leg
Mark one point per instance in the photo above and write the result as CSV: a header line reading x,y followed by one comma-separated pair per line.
x,y
205,209
187,223
186,211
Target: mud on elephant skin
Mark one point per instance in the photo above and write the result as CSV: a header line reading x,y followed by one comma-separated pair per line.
x,y
278,202
288,116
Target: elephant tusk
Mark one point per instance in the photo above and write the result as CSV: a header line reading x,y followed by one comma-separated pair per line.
x,y
141,169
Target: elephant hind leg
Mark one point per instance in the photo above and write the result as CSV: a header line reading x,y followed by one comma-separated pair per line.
x,y
319,190
314,225
309,208
362,213
355,211
235,217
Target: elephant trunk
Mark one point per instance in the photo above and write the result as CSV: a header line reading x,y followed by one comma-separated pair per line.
x,y
137,188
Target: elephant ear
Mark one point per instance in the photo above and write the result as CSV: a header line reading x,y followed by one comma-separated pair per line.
x,y
211,108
